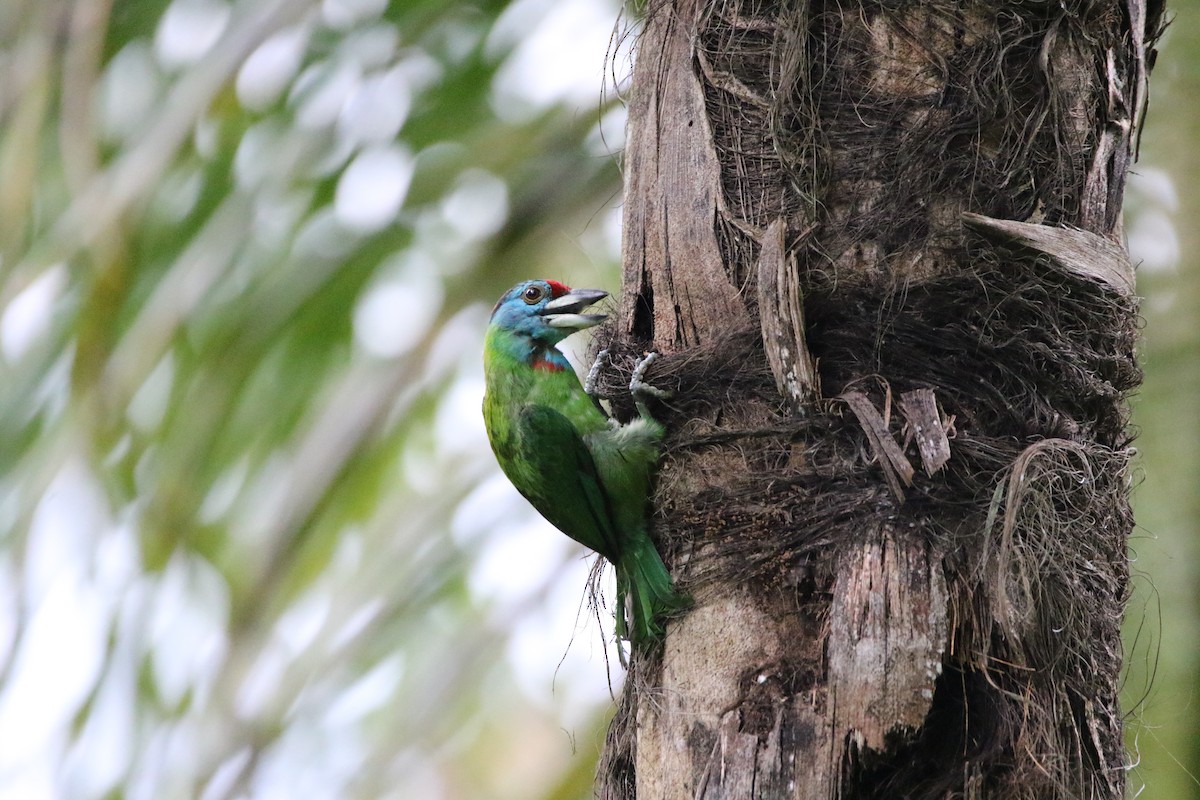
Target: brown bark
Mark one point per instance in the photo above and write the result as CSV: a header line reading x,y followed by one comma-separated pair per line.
x,y
826,204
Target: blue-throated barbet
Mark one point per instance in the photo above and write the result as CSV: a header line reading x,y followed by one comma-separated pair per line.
x,y
586,474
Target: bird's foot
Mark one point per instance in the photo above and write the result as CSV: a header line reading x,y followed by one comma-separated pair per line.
x,y
589,384
638,385
642,390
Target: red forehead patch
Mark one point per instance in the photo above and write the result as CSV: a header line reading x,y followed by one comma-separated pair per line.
x,y
558,289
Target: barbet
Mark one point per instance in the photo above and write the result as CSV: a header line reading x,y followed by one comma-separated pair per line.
x,y
586,474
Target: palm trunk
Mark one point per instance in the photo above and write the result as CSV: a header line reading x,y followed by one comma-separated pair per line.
x,y
880,247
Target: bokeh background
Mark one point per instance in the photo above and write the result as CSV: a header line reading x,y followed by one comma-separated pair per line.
x,y
252,540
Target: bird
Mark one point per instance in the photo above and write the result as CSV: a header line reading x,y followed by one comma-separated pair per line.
x,y
586,473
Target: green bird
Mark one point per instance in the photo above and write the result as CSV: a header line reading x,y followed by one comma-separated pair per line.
x,y
587,474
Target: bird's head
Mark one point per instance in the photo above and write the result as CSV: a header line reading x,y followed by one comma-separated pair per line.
x,y
546,311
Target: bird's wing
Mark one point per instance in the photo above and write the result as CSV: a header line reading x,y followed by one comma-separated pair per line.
x,y
568,491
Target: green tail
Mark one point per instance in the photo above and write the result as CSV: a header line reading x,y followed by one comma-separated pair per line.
x,y
644,590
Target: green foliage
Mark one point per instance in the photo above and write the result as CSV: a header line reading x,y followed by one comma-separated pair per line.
x,y
1163,621
235,344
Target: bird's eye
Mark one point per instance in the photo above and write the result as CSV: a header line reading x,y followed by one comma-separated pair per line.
x,y
533,294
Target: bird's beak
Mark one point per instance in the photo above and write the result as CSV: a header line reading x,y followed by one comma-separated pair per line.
x,y
563,312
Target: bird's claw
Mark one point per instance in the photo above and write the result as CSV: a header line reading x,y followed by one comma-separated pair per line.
x,y
638,385
642,390
589,385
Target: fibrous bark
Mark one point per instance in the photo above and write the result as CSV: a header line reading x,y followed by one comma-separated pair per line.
x,y
879,246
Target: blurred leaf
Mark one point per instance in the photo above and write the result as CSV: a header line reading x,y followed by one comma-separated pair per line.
x,y
191,334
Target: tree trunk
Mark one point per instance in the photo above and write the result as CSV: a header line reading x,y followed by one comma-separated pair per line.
x,y
879,246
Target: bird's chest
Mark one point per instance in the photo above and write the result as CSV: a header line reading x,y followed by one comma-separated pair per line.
x,y
514,434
